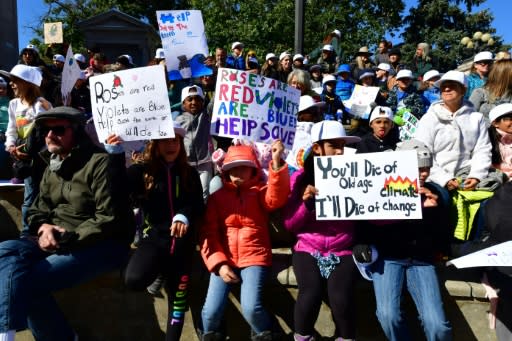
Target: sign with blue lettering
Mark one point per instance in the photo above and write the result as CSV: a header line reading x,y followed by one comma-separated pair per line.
x,y
255,108
374,186
132,103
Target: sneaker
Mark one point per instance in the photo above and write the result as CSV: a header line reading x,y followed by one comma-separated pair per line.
x,y
156,286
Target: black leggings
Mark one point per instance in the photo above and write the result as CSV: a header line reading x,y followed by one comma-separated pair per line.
x,y
340,293
152,258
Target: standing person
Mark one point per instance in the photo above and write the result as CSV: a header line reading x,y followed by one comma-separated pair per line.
x,y
500,134
169,193
322,257
220,57
198,145
422,61
23,110
236,59
382,56
482,63
404,253
80,226
235,241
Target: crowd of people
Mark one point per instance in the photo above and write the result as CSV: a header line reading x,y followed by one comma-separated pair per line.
x,y
84,202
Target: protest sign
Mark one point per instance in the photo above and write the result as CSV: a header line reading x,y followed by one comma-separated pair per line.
x,y
367,186
252,107
301,143
184,43
497,255
53,33
132,103
70,73
359,102
410,124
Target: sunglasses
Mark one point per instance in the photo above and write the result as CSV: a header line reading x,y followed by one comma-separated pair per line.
x,y
485,62
56,130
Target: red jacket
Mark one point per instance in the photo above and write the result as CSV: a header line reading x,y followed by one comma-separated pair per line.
x,y
235,230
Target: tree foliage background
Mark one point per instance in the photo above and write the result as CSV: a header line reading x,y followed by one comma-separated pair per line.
x,y
268,25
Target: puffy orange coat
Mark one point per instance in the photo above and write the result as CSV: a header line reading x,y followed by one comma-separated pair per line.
x,y
235,230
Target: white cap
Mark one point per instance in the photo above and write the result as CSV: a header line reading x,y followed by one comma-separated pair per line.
x,y
59,58
270,56
79,57
337,32
160,53
237,43
178,129
455,76
327,47
381,112
298,56
328,78
363,267
327,130
31,47
384,66
284,54
307,102
484,55
404,74
192,90
500,110
29,74
367,73
431,74
127,56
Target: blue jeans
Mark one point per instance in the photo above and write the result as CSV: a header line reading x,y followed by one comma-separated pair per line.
x,y
29,275
389,276
30,193
252,280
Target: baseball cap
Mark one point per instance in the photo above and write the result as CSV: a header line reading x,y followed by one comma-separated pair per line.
x,y
384,66
270,56
240,155
366,73
327,130
328,78
404,74
159,53
298,56
431,74
381,112
59,58
327,47
192,90
455,76
79,57
237,44
364,267
31,47
284,54
424,154
484,55
500,110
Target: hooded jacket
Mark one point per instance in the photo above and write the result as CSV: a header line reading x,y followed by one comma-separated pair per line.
x,y
323,236
456,140
235,231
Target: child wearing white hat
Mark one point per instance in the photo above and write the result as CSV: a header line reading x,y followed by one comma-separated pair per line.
x,y
500,134
380,138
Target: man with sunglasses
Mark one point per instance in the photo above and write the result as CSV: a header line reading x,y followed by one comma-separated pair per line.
x,y
80,226
482,63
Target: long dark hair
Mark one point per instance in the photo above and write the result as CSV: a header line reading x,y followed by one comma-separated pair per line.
x,y
495,137
153,163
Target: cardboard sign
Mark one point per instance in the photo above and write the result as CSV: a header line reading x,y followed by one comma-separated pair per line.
x,y
368,186
497,255
254,108
184,42
53,33
70,73
132,103
359,102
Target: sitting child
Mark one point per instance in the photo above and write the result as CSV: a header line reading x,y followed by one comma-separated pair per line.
x,y
383,136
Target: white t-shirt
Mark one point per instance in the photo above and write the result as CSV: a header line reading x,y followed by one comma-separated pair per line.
x,y
20,118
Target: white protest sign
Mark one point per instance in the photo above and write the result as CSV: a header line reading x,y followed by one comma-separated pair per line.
x,y
301,143
183,40
359,101
367,186
132,103
497,255
70,73
408,129
53,33
255,108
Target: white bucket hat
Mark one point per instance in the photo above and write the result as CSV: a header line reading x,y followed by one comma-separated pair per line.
x,y
307,102
29,74
327,130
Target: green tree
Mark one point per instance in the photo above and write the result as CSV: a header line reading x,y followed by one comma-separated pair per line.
x,y
442,24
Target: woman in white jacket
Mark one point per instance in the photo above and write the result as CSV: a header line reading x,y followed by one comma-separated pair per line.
x,y
456,135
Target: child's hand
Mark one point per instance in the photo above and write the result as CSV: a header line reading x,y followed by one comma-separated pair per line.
x,y
114,139
277,152
309,193
452,184
470,184
178,229
227,275
430,199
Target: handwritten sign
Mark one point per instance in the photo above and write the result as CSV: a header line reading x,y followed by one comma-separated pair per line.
x,y
497,255
184,42
367,186
254,108
132,103
70,73
53,33
359,101
408,129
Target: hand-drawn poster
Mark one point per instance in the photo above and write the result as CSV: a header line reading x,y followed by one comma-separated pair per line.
x,y
497,255
53,33
70,73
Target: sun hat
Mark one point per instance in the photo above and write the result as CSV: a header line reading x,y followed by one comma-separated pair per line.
x,y
270,56
431,74
424,155
484,55
327,130
500,110
381,112
307,102
328,78
29,74
59,58
364,267
237,44
240,155
455,76
192,90
160,53
384,66
404,74
328,47
298,56
363,50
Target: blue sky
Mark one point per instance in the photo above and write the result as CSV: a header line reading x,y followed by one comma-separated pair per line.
x,y
30,10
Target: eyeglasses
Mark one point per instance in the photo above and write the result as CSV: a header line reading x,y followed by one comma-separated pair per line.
x,y
56,130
